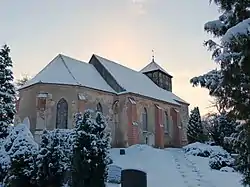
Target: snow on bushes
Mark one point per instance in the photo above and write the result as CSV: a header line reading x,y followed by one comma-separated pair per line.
x,y
4,162
21,149
24,162
218,157
54,158
227,169
220,160
19,135
91,150
203,150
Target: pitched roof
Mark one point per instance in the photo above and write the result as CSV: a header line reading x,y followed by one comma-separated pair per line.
x,y
136,82
153,66
66,70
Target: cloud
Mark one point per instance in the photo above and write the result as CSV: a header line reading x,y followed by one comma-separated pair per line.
x,y
138,1
140,6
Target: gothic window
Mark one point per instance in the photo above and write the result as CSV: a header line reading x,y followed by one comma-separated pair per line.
x,y
115,111
145,120
115,107
62,114
166,122
99,107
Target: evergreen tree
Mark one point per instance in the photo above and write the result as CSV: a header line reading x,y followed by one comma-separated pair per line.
x,y
51,162
222,127
7,92
229,84
22,150
90,152
195,132
82,150
238,142
102,159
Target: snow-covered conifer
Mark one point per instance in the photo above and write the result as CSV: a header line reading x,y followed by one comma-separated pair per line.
x,y
230,82
222,126
102,158
7,92
195,131
90,152
238,141
51,161
83,139
22,152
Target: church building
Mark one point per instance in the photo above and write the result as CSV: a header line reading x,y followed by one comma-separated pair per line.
x,y
139,106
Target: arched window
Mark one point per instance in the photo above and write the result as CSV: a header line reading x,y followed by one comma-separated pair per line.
x,y
99,107
145,119
115,107
62,114
166,122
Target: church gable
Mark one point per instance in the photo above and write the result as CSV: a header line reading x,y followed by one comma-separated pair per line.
x,y
64,70
105,74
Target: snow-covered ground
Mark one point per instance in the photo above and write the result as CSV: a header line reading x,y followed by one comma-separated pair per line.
x,y
172,167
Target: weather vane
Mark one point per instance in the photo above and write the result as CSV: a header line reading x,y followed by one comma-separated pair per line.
x,y
153,55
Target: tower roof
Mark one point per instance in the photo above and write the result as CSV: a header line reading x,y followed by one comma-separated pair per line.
x,y
153,66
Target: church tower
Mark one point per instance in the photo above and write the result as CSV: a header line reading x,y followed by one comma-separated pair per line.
x,y
158,75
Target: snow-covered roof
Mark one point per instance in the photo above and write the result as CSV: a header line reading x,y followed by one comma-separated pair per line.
x,y
138,83
153,66
66,70
69,71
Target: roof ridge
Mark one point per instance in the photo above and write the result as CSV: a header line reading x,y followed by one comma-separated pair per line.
x,y
39,72
111,61
61,56
66,56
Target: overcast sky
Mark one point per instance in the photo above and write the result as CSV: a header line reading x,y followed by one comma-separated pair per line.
x,y
125,31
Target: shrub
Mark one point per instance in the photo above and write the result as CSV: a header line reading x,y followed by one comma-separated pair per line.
x,y
219,161
227,169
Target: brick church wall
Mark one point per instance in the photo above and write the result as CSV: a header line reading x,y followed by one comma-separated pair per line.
x,y
160,139
159,130
125,130
29,104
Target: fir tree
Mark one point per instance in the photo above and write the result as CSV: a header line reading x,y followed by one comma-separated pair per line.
x,y
51,162
90,153
238,142
82,151
229,84
222,127
102,159
22,150
195,131
7,92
